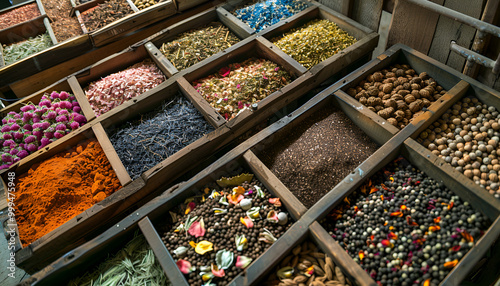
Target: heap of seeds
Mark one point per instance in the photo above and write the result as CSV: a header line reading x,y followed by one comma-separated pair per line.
x,y
196,45
316,155
105,13
467,136
135,264
307,265
314,42
237,86
269,12
405,228
19,15
153,137
64,27
397,93
18,51
222,230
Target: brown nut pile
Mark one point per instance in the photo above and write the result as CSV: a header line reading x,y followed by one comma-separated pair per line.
x,y
307,265
397,94
467,137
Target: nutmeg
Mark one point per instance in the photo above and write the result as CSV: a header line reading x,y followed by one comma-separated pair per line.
x,y
390,74
426,102
403,92
386,112
410,72
415,86
386,97
393,121
351,91
377,76
399,115
409,98
397,97
416,106
360,95
402,105
408,114
372,108
363,100
378,108
387,88
424,93
390,103
423,75
400,72
371,101
372,91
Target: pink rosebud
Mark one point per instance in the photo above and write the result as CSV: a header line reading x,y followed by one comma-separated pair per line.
x,y
238,86
276,69
74,125
184,265
225,71
63,95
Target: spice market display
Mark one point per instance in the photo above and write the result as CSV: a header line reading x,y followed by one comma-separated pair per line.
x,y
349,166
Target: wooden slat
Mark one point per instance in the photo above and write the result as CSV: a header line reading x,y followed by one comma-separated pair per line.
x,y
161,61
183,5
214,118
233,23
111,154
448,30
293,205
340,256
82,98
49,30
367,13
412,25
275,54
175,277
23,31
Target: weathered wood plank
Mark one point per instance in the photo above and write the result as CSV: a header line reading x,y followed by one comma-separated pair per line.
x,y
448,29
234,23
367,13
293,205
82,98
412,25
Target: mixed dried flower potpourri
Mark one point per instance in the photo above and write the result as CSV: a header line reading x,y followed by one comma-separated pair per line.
x,y
239,85
314,42
219,232
196,45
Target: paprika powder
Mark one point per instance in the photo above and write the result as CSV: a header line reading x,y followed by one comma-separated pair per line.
x,y
59,188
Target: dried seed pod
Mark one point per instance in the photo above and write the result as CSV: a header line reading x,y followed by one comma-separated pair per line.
x,y
305,247
288,282
311,279
340,275
302,266
300,279
329,262
333,283
321,279
318,270
392,121
286,261
426,102
351,91
403,92
329,272
305,252
409,98
377,76
296,250
307,263
416,106
322,263
363,101
317,283
397,97
386,112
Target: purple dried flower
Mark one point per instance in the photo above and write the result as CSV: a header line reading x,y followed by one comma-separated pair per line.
x,y
13,151
61,127
30,139
79,118
31,147
4,121
36,119
45,125
74,125
77,109
15,127
17,116
6,158
51,115
28,127
48,134
66,104
63,112
18,135
63,95
61,118
45,141
9,142
22,154
46,103
59,134
26,108
75,103
56,105
72,97
54,95
5,128
11,120
12,113
38,133
7,136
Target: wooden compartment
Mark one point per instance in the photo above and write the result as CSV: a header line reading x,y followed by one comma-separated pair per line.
x,y
112,64
69,85
419,159
18,28
182,5
366,39
82,227
153,213
132,22
195,22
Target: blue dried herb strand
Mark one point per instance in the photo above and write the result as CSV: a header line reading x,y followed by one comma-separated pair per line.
x,y
152,137
267,13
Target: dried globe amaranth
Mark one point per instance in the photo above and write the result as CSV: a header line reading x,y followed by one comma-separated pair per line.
x,y
398,87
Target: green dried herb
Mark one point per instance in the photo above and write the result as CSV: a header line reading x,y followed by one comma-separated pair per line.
x,y
314,42
21,50
133,265
198,44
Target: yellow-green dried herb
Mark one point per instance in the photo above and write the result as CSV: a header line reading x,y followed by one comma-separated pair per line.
x,y
196,45
314,42
15,52
135,264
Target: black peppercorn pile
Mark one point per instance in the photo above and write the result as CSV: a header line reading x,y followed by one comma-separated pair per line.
x,y
153,137
316,155
403,227
221,231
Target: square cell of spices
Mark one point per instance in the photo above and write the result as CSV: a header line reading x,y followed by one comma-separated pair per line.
x,y
113,90
54,191
105,13
196,45
239,85
19,15
267,13
314,42
20,50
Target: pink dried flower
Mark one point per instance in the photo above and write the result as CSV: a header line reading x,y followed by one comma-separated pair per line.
x,y
238,86
4,121
31,147
55,105
63,95
54,95
15,127
74,125
7,143
63,112
11,120
75,103
59,134
38,133
13,151
27,108
7,136
22,154
45,125
45,141
48,134
276,69
77,109
30,139
18,135
5,128
46,103
66,105
51,115
225,71
17,116
61,127
72,97
61,118
36,119
79,118
6,158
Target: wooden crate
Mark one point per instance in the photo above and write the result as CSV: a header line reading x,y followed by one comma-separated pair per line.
x,y
71,86
182,5
44,250
195,22
366,39
110,65
20,29
132,22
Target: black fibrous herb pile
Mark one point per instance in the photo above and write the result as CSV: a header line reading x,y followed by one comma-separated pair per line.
x,y
219,232
152,137
316,155
405,228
